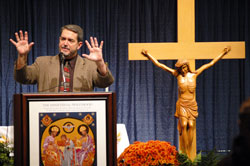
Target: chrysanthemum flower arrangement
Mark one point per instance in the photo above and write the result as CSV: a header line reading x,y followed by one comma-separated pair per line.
x,y
152,153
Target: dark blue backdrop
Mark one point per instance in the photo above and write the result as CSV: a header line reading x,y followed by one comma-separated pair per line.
x,y
146,95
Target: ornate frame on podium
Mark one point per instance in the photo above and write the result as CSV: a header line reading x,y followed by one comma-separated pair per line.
x,y
35,115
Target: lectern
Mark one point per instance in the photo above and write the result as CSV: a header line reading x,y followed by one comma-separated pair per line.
x,y
65,128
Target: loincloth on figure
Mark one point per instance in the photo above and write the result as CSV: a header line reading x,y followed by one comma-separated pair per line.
x,y
187,109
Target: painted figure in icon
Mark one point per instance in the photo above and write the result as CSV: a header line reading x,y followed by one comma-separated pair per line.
x,y
85,155
69,152
51,153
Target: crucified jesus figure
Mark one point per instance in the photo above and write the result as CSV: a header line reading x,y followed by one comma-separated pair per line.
x,y
186,106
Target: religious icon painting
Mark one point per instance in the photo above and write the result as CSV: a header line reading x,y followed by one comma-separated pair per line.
x,y
68,133
65,129
67,138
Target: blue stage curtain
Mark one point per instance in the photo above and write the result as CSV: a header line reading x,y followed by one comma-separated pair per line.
x,y
146,95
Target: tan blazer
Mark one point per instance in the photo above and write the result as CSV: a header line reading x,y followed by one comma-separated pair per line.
x,y
45,73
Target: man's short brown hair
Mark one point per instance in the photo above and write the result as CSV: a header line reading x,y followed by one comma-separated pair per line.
x,y
74,28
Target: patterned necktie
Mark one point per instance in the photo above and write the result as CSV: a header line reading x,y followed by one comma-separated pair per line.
x,y
65,81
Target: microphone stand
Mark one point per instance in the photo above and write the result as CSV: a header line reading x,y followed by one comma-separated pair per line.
x,y
62,58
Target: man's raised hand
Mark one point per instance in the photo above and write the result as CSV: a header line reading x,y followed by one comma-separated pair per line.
x,y
22,44
95,51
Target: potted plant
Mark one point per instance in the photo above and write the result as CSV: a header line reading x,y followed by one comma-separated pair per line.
x,y
6,152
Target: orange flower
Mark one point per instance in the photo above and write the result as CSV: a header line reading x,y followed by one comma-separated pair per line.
x,y
152,153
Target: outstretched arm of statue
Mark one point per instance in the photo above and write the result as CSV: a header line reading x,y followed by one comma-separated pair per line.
x,y
210,64
157,63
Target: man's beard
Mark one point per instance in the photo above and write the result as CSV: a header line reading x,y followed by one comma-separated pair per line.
x,y
68,54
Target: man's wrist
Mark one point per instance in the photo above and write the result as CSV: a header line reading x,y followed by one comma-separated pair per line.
x,y
21,61
101,67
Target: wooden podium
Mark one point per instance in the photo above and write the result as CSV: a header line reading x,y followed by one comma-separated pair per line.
x,y
37,114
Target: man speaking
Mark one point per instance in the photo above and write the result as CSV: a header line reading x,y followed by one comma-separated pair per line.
x,y
67,71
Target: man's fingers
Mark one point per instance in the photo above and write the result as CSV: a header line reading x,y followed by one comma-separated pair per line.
x,y
92,42
31,44
85,55
101,44
17,37
26,36
13,42
21,35
88,45
96,42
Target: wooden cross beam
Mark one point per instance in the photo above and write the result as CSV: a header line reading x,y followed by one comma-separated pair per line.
x,y
186,47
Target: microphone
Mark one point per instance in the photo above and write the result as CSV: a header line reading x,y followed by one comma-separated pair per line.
x,y
62,58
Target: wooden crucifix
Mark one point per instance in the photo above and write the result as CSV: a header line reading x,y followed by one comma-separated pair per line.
x,y
186,48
